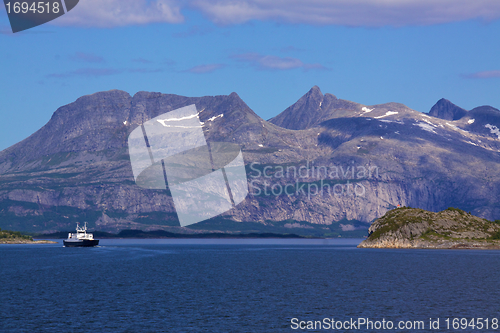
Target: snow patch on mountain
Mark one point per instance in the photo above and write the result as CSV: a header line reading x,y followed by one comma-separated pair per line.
x,y
428,122
493,129
426,127
457,128
388,113
215,117
392,121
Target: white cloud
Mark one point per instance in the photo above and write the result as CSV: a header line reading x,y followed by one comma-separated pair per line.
x,y
142,60
369,13
114,13
271,62
202,69
349,12
483,75
87,57
98,72
87,72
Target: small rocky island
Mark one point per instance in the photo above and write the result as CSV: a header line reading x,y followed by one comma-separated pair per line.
x,y
15,237
420,229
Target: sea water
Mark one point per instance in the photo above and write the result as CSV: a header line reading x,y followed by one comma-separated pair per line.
x,y
245,286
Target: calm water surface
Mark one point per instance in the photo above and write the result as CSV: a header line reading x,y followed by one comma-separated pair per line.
x,y
238,285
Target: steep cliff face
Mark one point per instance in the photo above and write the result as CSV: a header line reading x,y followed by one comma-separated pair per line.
x,y
348,163
417,228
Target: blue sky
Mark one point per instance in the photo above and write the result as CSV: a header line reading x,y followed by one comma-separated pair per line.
x,y
269,52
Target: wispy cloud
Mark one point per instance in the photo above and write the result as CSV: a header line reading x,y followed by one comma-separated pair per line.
x,y
483,75
372,13
86,57
115,13
144,70
88,72
320,67
270,62
202,69
4,30
142,60
366,13
99,72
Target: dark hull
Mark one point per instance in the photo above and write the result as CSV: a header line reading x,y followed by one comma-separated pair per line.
x,y
81,243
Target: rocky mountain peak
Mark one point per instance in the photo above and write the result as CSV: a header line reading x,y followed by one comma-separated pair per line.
x,y
303,113
315,93
444,109
234,102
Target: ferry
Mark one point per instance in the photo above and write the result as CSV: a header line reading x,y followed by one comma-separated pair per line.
x,y
81,239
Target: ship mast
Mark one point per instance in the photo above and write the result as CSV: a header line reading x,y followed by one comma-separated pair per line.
x,y
82,229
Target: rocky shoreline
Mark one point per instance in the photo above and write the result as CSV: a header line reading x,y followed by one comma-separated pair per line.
x,y
409,228
25,241
405,244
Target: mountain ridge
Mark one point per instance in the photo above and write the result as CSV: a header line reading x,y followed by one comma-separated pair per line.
x,y
76,166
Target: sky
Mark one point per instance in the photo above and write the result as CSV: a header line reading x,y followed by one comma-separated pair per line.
x,y
269,52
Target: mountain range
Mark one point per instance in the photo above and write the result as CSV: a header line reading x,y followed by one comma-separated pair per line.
x,y
367,159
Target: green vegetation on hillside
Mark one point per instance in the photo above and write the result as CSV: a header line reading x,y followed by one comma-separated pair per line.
x,y
13,235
